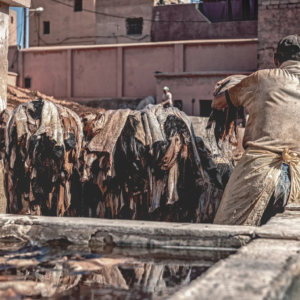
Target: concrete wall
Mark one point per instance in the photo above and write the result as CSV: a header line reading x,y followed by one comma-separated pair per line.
x,y
112,30
4,38
276,19
66,26
187,86
13,58
12,27
85,73
12,78
199,27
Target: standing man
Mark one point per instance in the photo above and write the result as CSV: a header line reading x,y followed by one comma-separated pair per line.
x,y
167,97
268,175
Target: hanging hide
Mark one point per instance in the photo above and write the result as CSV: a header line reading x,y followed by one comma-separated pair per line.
x,y
147,165
225,120
43,145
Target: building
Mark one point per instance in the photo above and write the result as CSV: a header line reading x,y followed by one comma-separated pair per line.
x,y
12,27
133,24
131,71
73,22
188,22
5,20
90,22
62,23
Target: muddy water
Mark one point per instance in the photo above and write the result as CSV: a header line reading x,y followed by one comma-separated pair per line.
x,y
63,271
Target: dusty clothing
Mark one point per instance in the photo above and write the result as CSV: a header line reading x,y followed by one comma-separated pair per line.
x,y
272,98
280,196
167,96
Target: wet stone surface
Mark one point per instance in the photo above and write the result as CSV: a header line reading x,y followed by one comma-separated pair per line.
x,y
64,271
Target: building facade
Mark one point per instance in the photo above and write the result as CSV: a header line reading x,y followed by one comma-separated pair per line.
x,y
62,23
5,20
12,28
133,24
90,22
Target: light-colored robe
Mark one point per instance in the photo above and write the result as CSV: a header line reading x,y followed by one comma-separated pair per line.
x,y
272,98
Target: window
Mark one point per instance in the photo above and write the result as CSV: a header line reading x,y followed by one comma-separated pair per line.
x,y
134,26
178,104
27,83
12,20
46,27
205,108
78,5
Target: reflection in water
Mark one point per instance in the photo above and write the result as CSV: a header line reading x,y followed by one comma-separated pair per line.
x,y
70,272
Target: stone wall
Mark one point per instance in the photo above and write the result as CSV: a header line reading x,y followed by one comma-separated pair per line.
x,y
276,19
4,18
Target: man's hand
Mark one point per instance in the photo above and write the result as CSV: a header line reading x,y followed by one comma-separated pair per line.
x,y
219,102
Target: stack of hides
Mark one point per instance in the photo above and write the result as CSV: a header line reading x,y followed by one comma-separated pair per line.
x,y
43,142
147,165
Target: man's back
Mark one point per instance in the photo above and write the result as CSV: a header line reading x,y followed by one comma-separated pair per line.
x,y
272,98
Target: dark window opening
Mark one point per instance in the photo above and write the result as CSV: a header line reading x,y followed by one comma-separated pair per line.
x,y
178,104
78,5
27,83
205,108
134,26
46,27
12,20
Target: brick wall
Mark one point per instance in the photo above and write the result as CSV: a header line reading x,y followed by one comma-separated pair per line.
x,y
276,19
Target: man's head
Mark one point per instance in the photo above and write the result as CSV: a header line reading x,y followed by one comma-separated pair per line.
x,y
166,89
288,49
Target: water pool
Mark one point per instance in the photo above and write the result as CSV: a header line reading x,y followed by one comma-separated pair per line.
x,y
59,271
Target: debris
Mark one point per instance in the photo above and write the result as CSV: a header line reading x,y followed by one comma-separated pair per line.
x,y
17,96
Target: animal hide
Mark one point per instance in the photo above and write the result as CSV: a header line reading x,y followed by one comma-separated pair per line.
x,y
153,169
225,120
43,145
140,165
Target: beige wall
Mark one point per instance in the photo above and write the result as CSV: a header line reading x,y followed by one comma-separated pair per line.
x,y
193,85
84,28
127,71
113,30
66,26
4,38
12,27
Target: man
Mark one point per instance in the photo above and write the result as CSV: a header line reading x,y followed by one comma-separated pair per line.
x,y
167,97
261,185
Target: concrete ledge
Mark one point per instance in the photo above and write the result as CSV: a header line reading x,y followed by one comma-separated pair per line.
x,y
282,226
264,269
190,42
124,233
202,74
